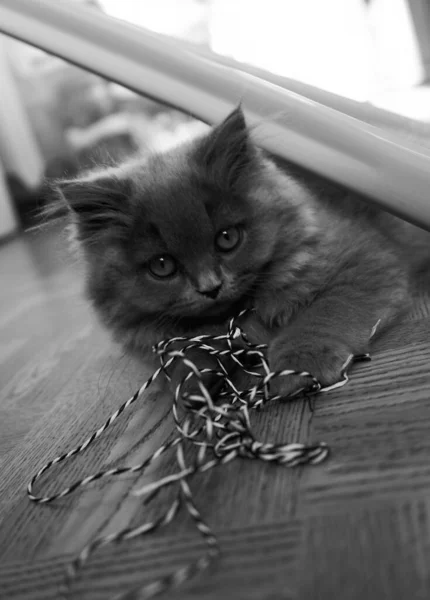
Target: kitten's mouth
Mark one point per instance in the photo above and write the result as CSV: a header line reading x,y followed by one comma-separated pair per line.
x,y
217,309
217,313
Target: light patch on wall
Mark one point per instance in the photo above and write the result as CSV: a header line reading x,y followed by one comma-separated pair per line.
x,y
170,17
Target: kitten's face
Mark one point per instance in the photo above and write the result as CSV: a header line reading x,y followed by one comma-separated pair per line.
x,y
184,237
195,249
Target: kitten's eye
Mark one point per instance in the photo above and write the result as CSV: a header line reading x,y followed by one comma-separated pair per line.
x,y
162,266
228,239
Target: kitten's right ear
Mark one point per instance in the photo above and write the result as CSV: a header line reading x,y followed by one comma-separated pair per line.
x,y
97,202
227,151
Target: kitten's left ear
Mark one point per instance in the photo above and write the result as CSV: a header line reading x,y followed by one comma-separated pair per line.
x,y
228,151
97,202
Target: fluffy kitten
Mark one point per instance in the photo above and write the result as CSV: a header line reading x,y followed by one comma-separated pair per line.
x,y
181,241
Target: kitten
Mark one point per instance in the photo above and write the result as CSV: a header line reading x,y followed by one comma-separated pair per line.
x,y
179,242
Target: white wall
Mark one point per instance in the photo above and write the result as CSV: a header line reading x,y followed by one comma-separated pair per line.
x,y
325,43
336,45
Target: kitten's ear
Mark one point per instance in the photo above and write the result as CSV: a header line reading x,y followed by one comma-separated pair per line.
x,y
97,202
228,151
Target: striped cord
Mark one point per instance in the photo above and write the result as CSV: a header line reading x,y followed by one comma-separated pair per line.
x,y
218,429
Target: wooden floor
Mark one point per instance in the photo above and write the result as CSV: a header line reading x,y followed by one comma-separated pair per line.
x,y
354,527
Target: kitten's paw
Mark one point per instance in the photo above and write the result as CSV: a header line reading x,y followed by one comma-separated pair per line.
x,y
324,365
291,386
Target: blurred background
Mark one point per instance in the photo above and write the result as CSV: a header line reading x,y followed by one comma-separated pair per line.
x,y
57,119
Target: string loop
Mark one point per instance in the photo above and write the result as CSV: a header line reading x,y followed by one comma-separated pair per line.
x,y
218,428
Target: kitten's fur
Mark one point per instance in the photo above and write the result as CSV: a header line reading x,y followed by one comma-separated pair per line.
x,y
319,264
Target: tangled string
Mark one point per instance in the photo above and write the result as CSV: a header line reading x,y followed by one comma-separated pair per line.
x,y
219,428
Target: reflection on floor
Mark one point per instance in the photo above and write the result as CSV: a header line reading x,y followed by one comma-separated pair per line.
x,y
357,526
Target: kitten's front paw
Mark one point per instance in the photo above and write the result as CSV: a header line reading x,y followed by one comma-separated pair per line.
x,y
324,364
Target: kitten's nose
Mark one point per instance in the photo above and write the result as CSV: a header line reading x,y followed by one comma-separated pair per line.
x,y
211,292
209,284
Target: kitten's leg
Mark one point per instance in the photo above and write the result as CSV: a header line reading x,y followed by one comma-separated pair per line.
x,y
338,324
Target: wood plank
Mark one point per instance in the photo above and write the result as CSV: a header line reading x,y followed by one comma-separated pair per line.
x,y
254,560
371,553
356,526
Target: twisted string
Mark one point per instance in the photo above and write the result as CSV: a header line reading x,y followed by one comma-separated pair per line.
x,y
218,428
